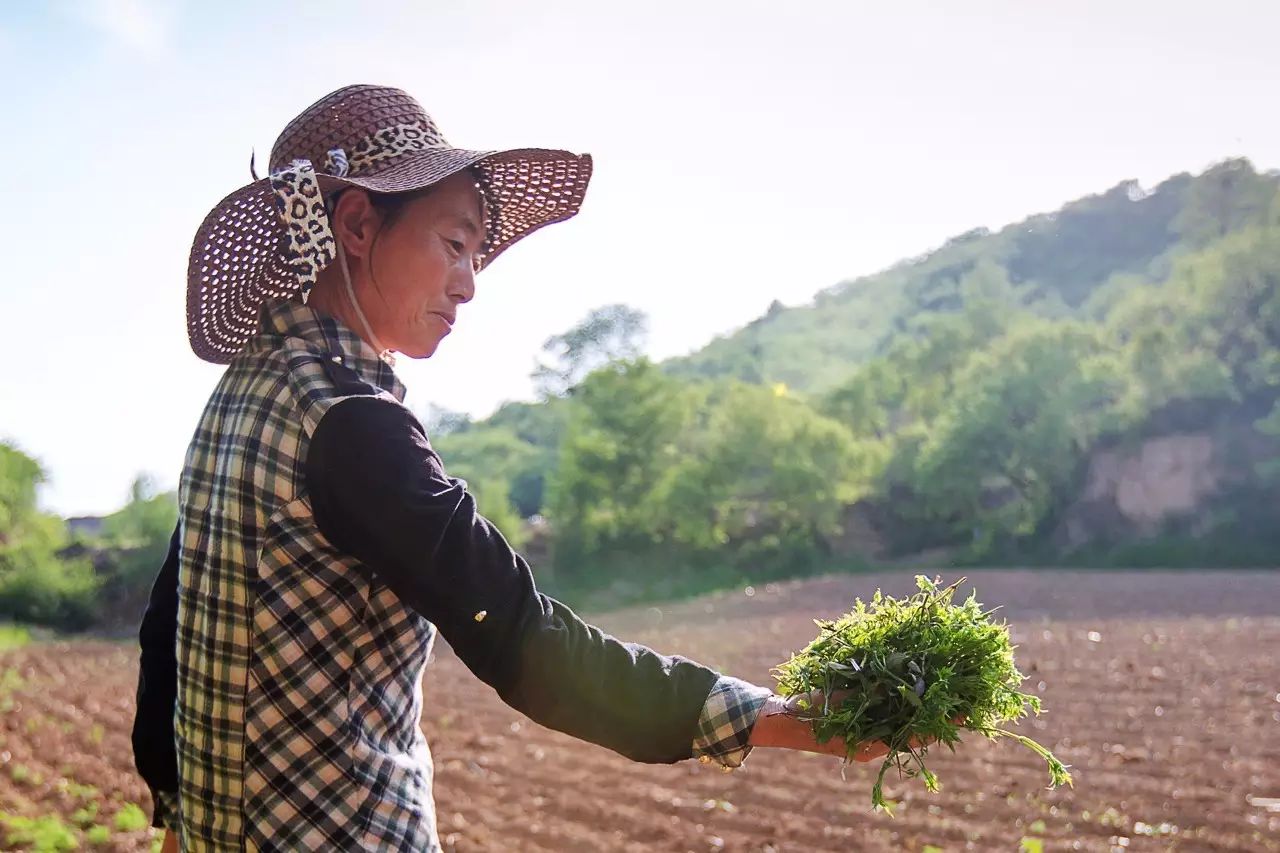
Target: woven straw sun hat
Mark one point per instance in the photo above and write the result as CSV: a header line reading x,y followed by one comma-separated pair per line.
x,y
271,238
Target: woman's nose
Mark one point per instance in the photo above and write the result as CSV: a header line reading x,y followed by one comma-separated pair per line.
x,y
464,285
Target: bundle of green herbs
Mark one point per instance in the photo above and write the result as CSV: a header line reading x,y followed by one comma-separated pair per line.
x,y
909,672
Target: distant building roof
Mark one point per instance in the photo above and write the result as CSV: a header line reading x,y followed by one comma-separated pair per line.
x,y
85,525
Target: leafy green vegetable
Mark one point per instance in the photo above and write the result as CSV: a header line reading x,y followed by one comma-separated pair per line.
x,y
912,671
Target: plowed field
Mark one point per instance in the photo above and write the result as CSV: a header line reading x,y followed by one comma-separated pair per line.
x,y
1163,691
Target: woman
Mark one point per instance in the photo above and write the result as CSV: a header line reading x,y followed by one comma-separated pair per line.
x,y
321,543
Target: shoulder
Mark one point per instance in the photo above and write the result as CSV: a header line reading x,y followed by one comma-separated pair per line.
x,y
374,417
319,382
368,446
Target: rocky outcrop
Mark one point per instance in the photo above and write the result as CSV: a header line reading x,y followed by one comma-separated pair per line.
x,y
1139,489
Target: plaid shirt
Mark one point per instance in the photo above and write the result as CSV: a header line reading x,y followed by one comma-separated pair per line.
x,y
299,673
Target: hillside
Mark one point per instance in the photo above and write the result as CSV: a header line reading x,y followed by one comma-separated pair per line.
x,y
1098,385
1054,265
999,397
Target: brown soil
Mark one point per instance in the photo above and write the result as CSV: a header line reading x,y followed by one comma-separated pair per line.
x,y
1163,691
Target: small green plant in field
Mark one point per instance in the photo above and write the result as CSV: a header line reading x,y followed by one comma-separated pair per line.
x,y
913,671
1031,845
1111,818
85,816
13,637
40,834
10,681
20,773
98,834
84,792
1153,830
131,817
96,733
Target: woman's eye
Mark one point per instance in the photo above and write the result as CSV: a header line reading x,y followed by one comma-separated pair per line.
x,y
456,246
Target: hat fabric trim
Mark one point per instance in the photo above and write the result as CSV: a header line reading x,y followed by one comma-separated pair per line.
x,y
301,206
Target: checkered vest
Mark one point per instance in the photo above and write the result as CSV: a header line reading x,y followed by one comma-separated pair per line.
x,y
299,674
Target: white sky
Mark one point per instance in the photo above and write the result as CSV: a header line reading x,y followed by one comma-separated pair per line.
x,y
745,151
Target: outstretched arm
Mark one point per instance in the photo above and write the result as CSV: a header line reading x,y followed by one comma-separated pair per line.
x,y
380,493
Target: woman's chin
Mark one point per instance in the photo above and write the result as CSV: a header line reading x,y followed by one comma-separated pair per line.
x,y
423,348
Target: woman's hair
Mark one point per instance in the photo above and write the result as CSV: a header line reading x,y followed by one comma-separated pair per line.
x,y
391,205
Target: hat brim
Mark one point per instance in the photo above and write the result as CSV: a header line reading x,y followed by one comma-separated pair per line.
x,y
240,257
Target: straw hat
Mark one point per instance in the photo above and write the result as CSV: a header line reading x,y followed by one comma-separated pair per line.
x,y
271,238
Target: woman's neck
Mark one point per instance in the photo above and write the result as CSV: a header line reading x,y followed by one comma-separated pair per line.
x,y
335,296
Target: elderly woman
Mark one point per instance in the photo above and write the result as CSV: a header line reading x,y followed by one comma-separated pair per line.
x,y
321,543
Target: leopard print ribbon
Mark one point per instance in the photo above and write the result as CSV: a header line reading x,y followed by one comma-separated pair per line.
x,y
301,205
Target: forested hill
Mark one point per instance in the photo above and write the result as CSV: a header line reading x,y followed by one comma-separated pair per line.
x,y
1074,262
1077,386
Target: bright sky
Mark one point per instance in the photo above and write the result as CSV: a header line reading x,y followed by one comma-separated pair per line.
x,y
745,151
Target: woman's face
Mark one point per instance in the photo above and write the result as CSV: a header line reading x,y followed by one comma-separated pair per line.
x,y
412,270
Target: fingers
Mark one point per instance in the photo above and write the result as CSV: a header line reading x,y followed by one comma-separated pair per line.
x,y
808,705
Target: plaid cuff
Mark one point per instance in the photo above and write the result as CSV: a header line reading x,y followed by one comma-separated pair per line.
x,y
726,722
165,815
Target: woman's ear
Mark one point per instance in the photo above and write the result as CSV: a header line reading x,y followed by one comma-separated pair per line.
x,y
355,222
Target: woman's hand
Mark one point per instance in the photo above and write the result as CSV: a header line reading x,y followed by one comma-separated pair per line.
x,y
782,724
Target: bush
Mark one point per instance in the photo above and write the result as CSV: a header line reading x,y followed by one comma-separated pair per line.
x,y
493,499
46,591
36,586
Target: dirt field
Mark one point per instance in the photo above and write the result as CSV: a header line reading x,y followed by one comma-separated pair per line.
x,y
1163,691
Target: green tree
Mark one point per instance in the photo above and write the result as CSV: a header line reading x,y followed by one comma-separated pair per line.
x,y
139,532
496,456
624,433
1229,197
1269,469
768,478
20,477
36,586
148,516
541,426
493,499
1007,445
607,334
1210,332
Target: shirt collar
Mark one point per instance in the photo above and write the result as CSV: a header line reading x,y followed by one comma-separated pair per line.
x,y
332,339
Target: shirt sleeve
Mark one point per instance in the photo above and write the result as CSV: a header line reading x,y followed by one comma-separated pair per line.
x,y
380,494
154,749
727,718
